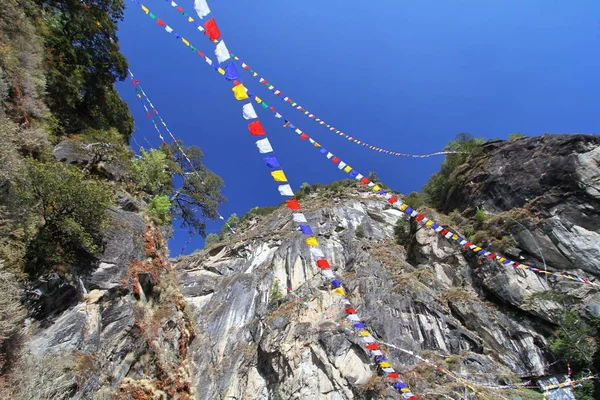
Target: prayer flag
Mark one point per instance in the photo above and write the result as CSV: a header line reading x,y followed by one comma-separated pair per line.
x,y
327,273
272,163
221,52
264,146
312,241
340,291
316,252
278,175
306,229
145,9
231,73
212,30
256,128
201,8
291,204
353,317
221,71
239,91
323,263
248,111
185,41
347,169
168,29
285,190
300,218
303,136
258,99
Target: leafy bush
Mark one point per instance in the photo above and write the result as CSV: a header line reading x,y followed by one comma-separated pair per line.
x,y
440,183
402,231
72,208
257,211
573,341
515,136
210,240
160,206
276,292
151,171
360,232
481,216
469,233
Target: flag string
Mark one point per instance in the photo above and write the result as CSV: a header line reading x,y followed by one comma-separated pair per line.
x,y
291,102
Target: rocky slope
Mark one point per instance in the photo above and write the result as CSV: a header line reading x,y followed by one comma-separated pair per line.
x,y
214,325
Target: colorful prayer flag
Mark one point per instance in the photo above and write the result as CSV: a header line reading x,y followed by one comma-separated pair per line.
x,y
312,241
256,128
212,30
248,111
292,204
272,162
264,146
222,52
201,8
300,218
278,175
285,190
239,91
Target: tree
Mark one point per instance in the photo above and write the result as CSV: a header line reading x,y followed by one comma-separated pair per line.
x,y
160,209
72,207
152,172
440,183
199,195
83,62
573,341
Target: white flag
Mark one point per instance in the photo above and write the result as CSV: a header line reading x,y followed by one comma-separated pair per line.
x,y
201,8
368,339
341,165
248,111
277,115
300,218
359,177
327,273
376,353
353,317
316,252
222,52
208,60
388,370
285,190
329,155
298,131
200,28
168,29
264,146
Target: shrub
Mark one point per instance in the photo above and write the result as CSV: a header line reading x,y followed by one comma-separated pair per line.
x,y
515,136
360,232
160,206
151,172
573,341
210,240
508,241
402,231
481,216
276,292
72,207
481,238
257,211
469,233
12,314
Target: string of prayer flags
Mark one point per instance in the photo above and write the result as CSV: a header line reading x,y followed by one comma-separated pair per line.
x,y
201,8
444,232
214,34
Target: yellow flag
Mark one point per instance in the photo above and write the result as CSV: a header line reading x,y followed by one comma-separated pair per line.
x,y
340,291
239,91
271,87
501,260
317,144
145,9
348,169
364,333
385,364
255,74
403,207
221,71
476,249
279,176
454,237
236,58
184,40
376,188
190,19
311,241
258,99
429,223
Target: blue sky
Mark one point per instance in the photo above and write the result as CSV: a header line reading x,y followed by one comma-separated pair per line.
x,y
403,75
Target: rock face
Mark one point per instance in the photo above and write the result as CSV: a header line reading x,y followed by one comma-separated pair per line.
x,y
557,178
252,317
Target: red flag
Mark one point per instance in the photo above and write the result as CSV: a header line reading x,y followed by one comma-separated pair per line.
x,y
443,232
303,136
179,9
335,160
393,199
293,204
372,346
492,256
350,310
468,244
419,217
323,264
160,22
256,128
211,29
201,54
393,375
365,181
247,68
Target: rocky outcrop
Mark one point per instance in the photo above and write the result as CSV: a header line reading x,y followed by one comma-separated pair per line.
x,y
554,177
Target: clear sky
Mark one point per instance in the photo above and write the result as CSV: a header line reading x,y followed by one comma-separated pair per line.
x,y
403,75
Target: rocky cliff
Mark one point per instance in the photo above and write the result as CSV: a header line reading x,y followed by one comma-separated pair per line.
x,y
252,318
